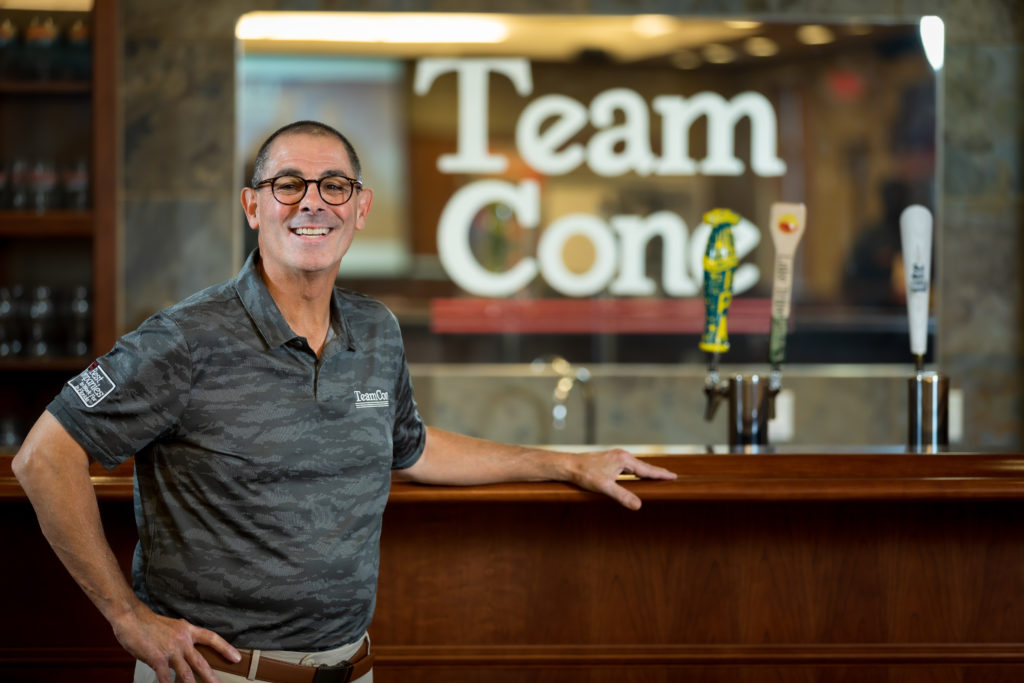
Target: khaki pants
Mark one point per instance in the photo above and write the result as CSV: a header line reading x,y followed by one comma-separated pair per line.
x,y
144,674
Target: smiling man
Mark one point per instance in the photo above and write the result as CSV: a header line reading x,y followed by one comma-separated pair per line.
x,y
266,416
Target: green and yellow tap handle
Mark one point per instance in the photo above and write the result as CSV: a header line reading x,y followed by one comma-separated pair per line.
x,y
720,263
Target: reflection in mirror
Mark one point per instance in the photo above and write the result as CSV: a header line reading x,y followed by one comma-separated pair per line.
x,y
540,181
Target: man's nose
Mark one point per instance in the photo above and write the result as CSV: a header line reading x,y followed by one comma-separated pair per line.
x,y
312,199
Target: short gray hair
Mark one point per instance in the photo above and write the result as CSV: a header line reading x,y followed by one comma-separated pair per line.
x,y
303,128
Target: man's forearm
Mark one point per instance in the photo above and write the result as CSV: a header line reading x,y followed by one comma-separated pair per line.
x,y
54,471
55,476
455,459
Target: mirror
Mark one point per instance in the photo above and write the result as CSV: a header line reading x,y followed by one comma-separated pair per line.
x,y
541,181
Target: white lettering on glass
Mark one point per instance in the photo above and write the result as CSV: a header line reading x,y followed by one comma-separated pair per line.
x,y
548,139
473,77
453,245
624,256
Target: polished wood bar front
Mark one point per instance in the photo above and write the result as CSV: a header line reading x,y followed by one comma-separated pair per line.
x,y
854,566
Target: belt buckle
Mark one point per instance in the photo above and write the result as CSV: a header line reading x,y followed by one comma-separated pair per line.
x,y
337,673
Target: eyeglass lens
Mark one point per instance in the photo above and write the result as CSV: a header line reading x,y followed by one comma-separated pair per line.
x,y
333,189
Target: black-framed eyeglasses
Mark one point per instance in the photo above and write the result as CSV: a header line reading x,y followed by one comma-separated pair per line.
x,y
290,189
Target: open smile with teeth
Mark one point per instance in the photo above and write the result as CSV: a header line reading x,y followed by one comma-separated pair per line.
x,y
314,231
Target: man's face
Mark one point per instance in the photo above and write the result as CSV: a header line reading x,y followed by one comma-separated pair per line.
x,y
310,237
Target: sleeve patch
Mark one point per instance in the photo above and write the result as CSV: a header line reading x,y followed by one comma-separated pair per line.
x,y
92,385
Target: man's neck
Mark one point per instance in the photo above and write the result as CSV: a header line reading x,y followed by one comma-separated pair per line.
x,y
305,303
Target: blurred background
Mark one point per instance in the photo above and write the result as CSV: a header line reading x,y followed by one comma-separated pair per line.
x,y
160,127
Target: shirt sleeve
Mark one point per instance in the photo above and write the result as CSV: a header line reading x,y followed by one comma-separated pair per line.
x,y
410,434
130,396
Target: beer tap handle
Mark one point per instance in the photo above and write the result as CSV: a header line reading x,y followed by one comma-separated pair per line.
x,y
916,238
786,225
720,263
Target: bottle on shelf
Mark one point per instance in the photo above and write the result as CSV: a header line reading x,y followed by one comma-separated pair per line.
x,y
10,322
77,52
8,49
74,182
79,323
42,316
20,183
42,186
40,49
10,434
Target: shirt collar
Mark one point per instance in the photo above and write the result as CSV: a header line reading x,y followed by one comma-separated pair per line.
x,y
263,310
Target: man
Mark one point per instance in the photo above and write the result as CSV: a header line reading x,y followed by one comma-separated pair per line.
x,y
265,415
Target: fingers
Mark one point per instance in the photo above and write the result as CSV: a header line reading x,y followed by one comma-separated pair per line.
x,y
630,464
623,462
169,646
163,673
205,637
646,470
183,669
598,471
197,665
626,498
202,636
178,668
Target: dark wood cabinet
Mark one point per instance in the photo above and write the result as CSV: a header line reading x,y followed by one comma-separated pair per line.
x,y
58,204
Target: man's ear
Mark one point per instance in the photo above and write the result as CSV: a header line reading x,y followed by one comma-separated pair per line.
x,y
364,201
249,202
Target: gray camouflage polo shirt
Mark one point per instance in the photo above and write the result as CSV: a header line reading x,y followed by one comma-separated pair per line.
x,y
261,471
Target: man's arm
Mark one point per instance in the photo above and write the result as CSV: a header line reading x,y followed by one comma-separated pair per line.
x,y
54,471
455,459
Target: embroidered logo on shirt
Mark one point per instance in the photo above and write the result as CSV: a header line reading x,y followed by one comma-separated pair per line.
x,y
371,399
92,385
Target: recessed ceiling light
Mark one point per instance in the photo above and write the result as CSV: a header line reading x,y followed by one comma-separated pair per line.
x,y
759,46
716,53
743,24
369,27
653,25
814,34
49,5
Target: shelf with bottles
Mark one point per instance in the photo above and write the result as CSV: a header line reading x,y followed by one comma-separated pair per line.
x,y
46,301
45,327
52,346
45,164
58,189
47,51
46,120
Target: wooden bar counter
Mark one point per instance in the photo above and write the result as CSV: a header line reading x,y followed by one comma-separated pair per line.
x,y
860,565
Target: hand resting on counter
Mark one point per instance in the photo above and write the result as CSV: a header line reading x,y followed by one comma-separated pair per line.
x,y
458,460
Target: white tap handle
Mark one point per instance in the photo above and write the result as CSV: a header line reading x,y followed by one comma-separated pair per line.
x,y
786,225
916,236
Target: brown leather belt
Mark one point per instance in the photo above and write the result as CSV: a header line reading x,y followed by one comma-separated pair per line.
x,y
276,671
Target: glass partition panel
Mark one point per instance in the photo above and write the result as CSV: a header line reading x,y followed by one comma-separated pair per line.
x,y
541,182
